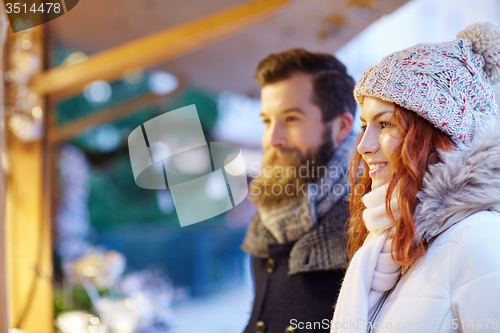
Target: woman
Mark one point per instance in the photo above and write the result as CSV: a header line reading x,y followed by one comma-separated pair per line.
x,y
425,222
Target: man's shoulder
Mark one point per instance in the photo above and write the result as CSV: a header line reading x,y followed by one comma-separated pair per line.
x,y
338,211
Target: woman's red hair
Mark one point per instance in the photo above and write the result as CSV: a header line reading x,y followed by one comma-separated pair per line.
x,y
410,162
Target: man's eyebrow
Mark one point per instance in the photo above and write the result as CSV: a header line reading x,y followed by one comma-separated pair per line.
x,y
262,114
377,116
293,110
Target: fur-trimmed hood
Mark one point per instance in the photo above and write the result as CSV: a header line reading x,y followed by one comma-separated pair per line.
x,y
466,182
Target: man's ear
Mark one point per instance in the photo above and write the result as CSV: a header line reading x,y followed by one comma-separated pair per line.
x,y
342,127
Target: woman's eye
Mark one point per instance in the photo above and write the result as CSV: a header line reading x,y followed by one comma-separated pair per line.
x,y
363,128
266,121
291,118
385,125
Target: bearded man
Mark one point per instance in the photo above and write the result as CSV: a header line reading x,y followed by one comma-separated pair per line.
x,y
297,239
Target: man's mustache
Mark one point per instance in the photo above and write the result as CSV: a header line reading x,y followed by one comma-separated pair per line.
x,y
288,155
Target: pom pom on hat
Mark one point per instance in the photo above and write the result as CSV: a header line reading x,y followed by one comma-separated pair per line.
x,y
485,38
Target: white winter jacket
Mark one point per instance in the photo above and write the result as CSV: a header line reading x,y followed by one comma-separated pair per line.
x,y
455,286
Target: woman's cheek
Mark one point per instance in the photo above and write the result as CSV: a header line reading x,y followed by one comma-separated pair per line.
x,y
389,144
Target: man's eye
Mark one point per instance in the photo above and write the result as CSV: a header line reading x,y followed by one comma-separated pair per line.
x,y
266,121
363,128
291,118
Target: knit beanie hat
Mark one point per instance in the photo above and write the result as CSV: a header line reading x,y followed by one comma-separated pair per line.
x,y
449,84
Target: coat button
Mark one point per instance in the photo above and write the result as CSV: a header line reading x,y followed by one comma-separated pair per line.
x,y
289,329
260,327
270,265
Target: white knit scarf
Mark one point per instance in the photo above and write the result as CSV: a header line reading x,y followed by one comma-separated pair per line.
x,y
371,271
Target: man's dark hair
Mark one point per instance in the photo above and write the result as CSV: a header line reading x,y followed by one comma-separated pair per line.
x,y
332,87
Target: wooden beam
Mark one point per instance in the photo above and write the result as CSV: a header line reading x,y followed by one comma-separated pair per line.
x,y
110,64
73,128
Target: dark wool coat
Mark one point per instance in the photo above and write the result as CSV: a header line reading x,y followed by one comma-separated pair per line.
x,y
284,302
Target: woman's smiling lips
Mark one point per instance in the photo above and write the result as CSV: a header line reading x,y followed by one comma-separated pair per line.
x,y
376,167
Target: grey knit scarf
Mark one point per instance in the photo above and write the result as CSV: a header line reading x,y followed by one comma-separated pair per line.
x,y
311,221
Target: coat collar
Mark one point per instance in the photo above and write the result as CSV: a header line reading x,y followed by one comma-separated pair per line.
x,y
467,181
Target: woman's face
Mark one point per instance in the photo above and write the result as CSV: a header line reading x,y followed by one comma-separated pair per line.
x,y
380,139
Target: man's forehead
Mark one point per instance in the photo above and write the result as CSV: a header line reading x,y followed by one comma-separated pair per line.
x,y
289,95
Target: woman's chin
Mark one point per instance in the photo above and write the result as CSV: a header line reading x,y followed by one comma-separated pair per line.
x,y
380,178
376,183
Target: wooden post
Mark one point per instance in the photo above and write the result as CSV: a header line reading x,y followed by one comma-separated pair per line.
x,y
4,322
28,238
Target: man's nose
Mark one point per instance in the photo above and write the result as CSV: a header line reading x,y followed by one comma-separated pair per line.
x,y
369,143
276,137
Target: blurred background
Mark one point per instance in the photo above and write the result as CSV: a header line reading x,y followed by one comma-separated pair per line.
x,y
86,249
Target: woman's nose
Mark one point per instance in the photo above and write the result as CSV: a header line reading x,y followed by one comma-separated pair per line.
x,y
369,143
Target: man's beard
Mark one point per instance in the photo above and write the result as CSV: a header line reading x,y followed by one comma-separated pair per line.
x,y
280,184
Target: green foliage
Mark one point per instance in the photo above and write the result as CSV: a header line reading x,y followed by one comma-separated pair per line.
x,y
76,300
115,199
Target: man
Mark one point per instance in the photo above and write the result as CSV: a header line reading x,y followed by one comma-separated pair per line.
x,y
297,239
